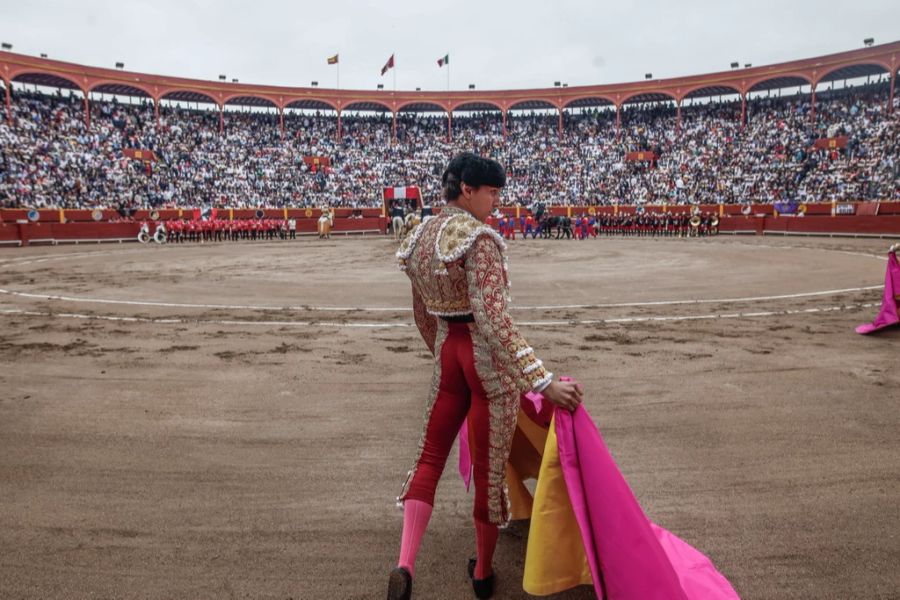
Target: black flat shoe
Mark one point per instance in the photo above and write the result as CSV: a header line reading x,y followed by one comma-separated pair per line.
x,y
483,588
399,584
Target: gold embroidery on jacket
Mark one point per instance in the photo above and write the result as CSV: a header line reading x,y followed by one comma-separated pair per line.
x,y
457,266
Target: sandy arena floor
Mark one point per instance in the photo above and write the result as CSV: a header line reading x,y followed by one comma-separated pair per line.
x,y
234,420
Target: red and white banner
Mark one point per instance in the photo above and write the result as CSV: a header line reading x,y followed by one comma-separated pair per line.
x,y
406,192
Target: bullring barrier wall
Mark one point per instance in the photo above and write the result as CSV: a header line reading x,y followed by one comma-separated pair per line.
x,y
56,226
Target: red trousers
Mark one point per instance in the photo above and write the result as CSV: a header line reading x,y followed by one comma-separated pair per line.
x,y
460,394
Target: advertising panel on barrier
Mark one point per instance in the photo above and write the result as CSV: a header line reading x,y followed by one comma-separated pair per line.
x,y
845,209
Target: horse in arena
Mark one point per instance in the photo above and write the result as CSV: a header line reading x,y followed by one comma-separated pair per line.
x,y
326,222
411,221
398,226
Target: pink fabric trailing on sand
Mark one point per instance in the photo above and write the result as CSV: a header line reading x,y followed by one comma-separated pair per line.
x,y
888,315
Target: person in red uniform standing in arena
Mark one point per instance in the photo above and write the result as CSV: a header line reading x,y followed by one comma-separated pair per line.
x,y
482,364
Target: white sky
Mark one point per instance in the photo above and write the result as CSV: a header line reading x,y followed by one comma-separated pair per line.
x,y
493,44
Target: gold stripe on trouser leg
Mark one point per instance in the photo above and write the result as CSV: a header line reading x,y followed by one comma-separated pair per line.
x,y
503,406
439,338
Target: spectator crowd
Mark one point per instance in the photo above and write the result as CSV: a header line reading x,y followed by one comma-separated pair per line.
x,y
50,158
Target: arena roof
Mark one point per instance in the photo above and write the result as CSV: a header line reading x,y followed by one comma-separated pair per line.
x,y
712,90
47,80
531,104
367,106
884,58
776,83
590,101
650,97
120,89
309,105
250,101
853,71
188,96
478,106
422,107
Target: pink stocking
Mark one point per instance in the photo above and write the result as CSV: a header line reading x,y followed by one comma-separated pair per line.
x,y
415,520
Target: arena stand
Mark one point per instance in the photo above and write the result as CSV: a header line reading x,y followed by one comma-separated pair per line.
x,y
721,140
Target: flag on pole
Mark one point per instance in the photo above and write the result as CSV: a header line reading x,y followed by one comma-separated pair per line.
x,y
388,65
444,61
333,60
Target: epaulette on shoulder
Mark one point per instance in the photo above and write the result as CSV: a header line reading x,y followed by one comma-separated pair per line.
x,y
458,233
407,244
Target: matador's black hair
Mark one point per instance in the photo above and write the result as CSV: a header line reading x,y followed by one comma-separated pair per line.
x,y
472,170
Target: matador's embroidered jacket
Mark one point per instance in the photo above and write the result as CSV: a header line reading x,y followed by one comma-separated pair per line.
x,y
457,266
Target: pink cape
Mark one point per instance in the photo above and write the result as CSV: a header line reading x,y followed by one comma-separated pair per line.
x,y
630,557
888,315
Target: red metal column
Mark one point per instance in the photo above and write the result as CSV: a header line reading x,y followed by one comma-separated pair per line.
x,y
560,124
812,112
87,112
156,111
281,122
890,106
9,103
394,128
340,130
450,126
618,121
678,118
743,110
504,124
221,120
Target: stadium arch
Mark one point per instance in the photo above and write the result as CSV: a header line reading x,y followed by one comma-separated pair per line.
x,y
254,101
854,71
705,90
310,103
184,94
371,105
485,105
781,80
588,101
538,104
119,88
646,95
50,79
421,106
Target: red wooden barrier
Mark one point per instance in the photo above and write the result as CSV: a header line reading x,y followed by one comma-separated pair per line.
x,y
818,220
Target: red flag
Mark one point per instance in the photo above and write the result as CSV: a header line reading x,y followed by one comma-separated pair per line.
x,y
388,65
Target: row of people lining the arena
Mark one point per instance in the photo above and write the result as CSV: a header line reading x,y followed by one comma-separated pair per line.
x,y
50,158
582,227
178,231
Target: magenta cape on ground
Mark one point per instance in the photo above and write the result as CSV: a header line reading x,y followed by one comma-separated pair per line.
x,y
888,314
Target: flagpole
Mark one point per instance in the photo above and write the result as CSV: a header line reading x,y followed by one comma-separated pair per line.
x,y
448,74
339,71
393,55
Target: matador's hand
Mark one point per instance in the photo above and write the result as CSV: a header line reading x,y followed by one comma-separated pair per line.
x,y
565,394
